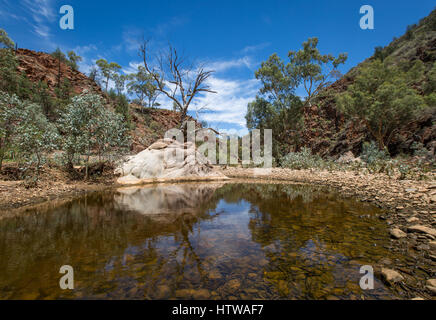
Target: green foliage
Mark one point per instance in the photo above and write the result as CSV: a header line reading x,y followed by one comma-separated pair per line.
x,y
73,59
5,41
312,69
284,118
371,153
301,160
142,85
42,97
383,99
107,70
36,136
277,107
11,112
120,82
8,71
70,61
430,85
89,128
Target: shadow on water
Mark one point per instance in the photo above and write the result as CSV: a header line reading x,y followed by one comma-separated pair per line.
x,y
196,241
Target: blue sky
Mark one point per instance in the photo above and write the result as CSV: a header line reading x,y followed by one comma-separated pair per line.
x,y
231,37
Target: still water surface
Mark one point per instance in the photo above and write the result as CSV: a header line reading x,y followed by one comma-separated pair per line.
x,y
196,241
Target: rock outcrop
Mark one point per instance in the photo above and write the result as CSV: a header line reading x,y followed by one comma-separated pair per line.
x,y
41,66
167,160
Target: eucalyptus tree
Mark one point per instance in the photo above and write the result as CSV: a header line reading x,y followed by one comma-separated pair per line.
x,y
36,136
108,70
277,106
8,64
313,70
383,98
11,112
90,128
142,85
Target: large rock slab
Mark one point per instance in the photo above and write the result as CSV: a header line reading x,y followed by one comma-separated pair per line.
x,y
167,160
422,229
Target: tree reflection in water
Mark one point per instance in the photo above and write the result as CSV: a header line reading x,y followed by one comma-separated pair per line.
x,y
208,240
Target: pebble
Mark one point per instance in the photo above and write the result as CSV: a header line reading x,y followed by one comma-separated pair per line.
x,y
412,219
397,233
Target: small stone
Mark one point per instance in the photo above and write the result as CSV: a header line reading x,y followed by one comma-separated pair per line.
x,y
385,261
201,294
215,275
422,229
397,233
418,298
184,293
410,190
391,276
412,219
163,291
233,284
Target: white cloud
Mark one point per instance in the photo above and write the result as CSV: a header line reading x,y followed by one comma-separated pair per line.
x,y
42,14
132,68
224,65
229,105
256,47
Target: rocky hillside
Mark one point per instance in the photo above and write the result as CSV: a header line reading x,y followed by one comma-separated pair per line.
x,y
329,134
40,66
148,125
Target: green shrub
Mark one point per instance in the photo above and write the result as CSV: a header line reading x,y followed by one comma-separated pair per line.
x,y
301,160
372,154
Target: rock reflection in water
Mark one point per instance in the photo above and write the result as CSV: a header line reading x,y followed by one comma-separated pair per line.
x,y
196,241
172,199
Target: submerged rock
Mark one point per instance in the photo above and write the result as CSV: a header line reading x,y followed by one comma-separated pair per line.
x,y
167,159
391,276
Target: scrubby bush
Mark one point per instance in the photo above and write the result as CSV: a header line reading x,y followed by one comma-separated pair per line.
x,y
371,153
301,160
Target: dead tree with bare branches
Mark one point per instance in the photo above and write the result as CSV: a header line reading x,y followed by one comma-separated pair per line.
x,y
177,79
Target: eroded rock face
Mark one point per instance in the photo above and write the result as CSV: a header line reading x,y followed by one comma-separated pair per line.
x,y
167,159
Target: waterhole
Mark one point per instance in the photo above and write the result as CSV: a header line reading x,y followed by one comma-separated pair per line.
x,y
196,241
